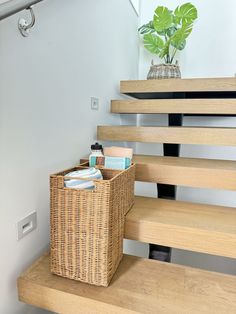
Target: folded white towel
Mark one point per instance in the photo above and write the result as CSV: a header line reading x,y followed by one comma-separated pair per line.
x,y
90,173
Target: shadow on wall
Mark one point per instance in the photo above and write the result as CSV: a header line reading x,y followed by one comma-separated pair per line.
x,y
136,5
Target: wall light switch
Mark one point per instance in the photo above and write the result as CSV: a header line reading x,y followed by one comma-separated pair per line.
x,y
26,225
94,103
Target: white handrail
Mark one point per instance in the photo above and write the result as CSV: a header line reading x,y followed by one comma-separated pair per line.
x,y
13,6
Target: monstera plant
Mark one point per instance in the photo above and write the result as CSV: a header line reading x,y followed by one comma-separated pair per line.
x,y
166,34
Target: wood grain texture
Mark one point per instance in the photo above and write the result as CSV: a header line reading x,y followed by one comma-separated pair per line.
x,y
139,286
178,135
195,227
226,84
193,172
188,106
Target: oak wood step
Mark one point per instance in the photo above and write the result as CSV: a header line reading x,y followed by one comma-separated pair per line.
x,y
139,286
183,225
171,106
178,135
225,84
193,172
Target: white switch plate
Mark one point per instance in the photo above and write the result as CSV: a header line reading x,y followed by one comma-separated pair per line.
x,y
94,103
26,225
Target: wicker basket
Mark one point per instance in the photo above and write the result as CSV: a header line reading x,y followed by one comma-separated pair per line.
x,y
164,71
87,226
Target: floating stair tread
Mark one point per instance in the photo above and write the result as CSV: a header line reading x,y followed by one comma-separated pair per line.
x,y
195,227
139,286
216,164
178,135
193,172
225,84
171,106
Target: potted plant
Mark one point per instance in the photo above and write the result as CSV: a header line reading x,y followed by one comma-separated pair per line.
x,y
165,35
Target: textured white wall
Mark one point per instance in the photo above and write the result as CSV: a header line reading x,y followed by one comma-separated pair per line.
x,y
210,52
76,50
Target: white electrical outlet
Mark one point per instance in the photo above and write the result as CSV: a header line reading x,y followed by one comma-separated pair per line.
x,y
94,103
26,225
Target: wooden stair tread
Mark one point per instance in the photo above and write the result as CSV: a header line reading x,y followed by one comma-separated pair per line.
x,y
192,172
187,162
196,227
227,84
139,286
171,106
178,135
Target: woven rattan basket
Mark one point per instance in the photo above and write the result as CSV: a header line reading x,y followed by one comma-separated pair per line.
x,y
163,71
87,226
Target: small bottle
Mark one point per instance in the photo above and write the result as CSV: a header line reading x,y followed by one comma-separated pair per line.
x,y
96,157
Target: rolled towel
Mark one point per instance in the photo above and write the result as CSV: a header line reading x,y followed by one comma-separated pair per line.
x,y
90,173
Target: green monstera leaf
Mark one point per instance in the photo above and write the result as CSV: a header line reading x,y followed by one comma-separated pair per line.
x,y
170,31
165,50
185,14
167,33
179,38
179,46
153,43
147,28
162,19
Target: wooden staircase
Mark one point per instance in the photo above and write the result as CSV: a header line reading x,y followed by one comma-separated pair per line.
x,y
195,227
147,286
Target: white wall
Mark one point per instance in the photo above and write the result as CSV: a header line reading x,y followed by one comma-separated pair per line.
x,y
136,5
77,49
210,52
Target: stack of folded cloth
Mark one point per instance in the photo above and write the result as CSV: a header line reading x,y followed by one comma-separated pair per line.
x,y
90,173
